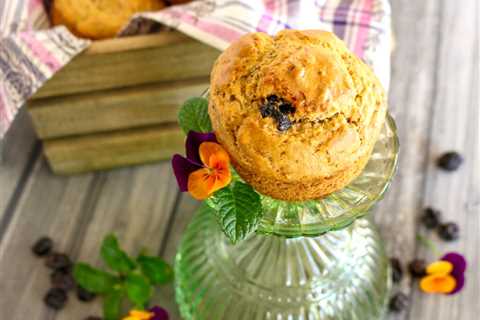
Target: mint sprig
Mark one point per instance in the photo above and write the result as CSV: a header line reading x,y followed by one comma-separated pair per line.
x,y
112,304
157,270
114,257
238,210
193,116
93,279
139,290
133,279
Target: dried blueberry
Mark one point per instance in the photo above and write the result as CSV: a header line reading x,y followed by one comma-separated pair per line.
x,y
431,218
450,161
85,295
286,108
417,268
397,270
56,298
278,109
448,231
272,99
283,123
59,261
266,110
43,246
62,280
398,302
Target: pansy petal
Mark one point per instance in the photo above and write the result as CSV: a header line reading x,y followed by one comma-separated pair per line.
x,y
194,140
457,260
437,283
209,149
460,282
222,172
140,315
439,267
201,183
221,181
159,313
219,159
182,168
223,177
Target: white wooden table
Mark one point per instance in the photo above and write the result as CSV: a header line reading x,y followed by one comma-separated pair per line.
x,y
434,98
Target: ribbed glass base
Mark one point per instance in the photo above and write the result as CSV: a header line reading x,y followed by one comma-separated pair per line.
x,y
339,275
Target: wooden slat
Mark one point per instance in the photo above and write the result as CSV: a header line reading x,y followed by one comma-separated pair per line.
x,y
16,152
49,205
112,109
113,149
410,99
155,58
135,204
455,126
77,212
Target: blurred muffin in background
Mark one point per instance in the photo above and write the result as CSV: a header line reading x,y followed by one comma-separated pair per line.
x,y
98,19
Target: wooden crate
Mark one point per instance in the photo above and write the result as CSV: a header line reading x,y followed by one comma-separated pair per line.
x,y
116,103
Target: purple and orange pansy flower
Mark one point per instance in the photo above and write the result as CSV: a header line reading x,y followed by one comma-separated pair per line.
x,y
206,167
445,275
154,313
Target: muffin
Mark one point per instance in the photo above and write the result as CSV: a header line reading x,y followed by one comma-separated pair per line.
x,y
98,19
298,113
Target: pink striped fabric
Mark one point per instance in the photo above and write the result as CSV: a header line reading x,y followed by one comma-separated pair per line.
x,y
30,53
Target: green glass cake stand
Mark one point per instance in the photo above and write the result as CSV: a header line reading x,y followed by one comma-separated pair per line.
x,y
308,260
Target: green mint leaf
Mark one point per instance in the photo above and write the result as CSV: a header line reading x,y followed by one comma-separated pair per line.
x,y
238,210
114,257
112,305
139,289
93,279
155,269
193,116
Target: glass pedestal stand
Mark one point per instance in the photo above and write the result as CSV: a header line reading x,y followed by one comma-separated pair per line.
x,y
308,260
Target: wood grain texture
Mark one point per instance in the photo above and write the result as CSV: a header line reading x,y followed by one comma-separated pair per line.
x,y
77,212
410,101
455,126
160,57
434,97
18,151
113,109
51,206
78,154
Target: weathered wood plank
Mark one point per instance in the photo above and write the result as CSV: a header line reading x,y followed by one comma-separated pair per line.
x,y
113,109
49,205
113,149
135,204
77,212
166,56
410,97
16,153
455,126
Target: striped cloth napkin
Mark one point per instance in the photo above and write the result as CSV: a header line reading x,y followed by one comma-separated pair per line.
x,y
31,52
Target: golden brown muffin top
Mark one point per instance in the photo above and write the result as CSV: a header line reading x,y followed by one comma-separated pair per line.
x,y
333,101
